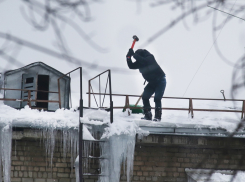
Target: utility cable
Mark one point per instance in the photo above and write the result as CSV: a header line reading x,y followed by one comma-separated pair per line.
x,y
208,51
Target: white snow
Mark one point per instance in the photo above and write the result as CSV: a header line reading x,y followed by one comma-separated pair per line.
x,y
202,175
120,135
64,118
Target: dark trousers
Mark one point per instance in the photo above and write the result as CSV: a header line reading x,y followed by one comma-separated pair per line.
x,y
158,88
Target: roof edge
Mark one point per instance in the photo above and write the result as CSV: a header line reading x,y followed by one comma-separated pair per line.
x,y
36,64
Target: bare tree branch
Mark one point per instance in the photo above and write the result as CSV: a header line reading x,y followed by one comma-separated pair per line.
x,y
62,56
55,13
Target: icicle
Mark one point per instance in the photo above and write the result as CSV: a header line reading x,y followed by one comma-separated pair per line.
x,y
64,144
87,149
50,135
70,144
104,163
118,150
77,169
130,156
68,139
1,154
121,152
6,148
74,140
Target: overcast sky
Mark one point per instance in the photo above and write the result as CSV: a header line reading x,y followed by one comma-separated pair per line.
x,y
185,52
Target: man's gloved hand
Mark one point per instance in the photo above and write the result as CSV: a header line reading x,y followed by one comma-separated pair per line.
x,y
130,53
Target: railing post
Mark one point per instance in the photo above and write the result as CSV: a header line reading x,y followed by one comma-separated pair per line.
x,y
81,93
243,109
81,132
70,92
191,108
89,93
80,152
59,93
29,98
127,104
99,91
111,102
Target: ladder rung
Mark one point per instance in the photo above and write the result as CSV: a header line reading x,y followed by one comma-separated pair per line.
x,y
93,140
89,174
94,158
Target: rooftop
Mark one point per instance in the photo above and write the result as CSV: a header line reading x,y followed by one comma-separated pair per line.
x,y
172,123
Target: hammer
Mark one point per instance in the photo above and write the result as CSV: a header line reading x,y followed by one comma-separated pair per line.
x,y
135,39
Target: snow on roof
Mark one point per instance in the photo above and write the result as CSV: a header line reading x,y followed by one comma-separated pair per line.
x,y
172,121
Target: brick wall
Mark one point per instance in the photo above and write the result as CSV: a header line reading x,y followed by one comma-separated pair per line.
x,y
164,158
157,158
30,163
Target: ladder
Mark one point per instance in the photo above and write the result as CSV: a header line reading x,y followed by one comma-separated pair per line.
x,y
92,157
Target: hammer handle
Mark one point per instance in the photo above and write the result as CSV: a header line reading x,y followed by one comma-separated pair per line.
x,y
133,44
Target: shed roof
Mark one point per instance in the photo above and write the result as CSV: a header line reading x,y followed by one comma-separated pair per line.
x,y
45,66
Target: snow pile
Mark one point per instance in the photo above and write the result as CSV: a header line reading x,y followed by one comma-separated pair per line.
x,y
122,125
227,178
214,120
64,118
119,136
66,121
33,118
201,175
240,176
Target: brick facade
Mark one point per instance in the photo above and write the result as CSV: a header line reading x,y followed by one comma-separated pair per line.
x,y
164,158
157,158
30,163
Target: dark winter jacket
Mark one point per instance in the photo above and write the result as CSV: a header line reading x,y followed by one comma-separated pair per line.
x,y
147,65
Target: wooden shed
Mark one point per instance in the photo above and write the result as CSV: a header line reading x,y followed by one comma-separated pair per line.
x,y
38,83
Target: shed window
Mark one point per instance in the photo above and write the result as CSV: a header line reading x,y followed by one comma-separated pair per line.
x,y
29,80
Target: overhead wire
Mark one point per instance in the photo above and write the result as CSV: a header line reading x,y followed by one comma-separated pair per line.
x,y
207,52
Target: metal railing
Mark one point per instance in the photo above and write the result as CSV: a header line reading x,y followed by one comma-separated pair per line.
x,y
190,108
90,91
81,147
29,100
58,80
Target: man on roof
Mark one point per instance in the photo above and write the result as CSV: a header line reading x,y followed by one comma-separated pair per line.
x,y
155,77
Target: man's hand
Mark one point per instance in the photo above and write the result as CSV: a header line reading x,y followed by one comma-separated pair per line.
x,y
130,53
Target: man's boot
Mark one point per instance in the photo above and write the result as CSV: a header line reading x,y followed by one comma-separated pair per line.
x,y
148,115
158,114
